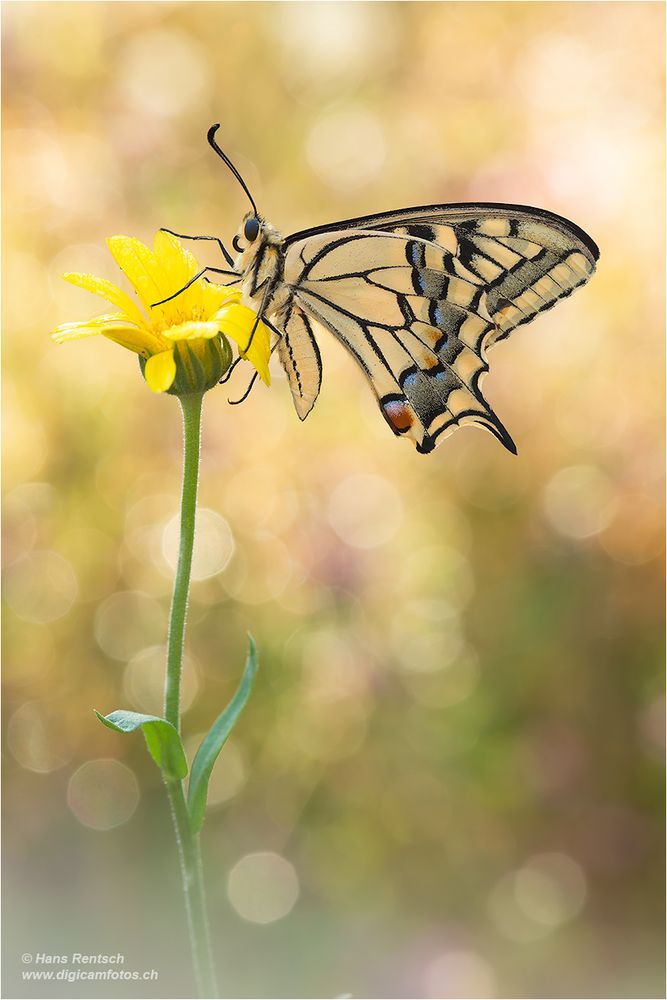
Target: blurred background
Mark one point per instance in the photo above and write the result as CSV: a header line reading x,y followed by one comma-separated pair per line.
x,y
448,781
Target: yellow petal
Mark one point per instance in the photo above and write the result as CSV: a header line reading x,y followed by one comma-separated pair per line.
x,y
213,297
115,326
177,263
178,266
160,371
112,293
139,265
133,339
237,321
158,275
192,330
84,328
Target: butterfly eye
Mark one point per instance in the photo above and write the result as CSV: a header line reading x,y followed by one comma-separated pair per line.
x,y
251,229
237,246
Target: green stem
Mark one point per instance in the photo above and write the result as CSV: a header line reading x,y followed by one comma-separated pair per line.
x,y
193,888
191,406
187,841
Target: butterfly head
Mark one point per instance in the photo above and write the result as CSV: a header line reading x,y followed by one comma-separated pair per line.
x,y
253,234
258,246
249,232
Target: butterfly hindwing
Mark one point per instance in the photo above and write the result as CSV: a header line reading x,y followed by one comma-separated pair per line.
x,y
411,316
300,357
418,297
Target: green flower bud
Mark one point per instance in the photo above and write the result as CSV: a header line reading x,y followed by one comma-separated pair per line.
x,y
200,364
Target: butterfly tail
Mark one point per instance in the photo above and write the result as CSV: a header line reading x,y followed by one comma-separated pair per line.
x,y
481,418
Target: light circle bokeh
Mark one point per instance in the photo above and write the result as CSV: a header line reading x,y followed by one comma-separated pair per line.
x,y
263,887
126,622
32,738
460,974
41,587
365,510
347,148
579,501
214,543
143,680
103,794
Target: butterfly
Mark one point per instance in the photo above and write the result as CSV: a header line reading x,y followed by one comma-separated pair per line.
x,y
418,296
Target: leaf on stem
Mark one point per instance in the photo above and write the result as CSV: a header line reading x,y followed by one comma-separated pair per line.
x,y
163,742
215,739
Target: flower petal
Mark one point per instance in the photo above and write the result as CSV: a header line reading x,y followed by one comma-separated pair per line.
x,y
193,330
160,371
237,321
139,265
84,328
213,297
133,339
116,327
160,274
112,293
177,264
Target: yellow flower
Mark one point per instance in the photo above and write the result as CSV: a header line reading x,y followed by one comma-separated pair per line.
x,y
181,344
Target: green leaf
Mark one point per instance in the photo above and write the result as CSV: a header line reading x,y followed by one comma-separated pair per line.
x,y
215,739
163,742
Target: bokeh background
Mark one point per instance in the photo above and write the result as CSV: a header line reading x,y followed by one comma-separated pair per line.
x,y
448,781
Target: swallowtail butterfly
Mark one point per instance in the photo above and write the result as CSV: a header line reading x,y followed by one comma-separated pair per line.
x,y
417,296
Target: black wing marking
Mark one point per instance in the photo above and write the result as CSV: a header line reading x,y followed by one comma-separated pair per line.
x,y
452,213
418,297
526,258
422,354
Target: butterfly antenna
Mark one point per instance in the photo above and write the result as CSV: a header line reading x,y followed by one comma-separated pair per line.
x,y
223,156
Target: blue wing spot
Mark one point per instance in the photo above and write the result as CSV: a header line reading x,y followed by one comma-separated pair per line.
x,y
439,315
411,380
416,254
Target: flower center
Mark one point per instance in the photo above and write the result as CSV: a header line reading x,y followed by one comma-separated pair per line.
x,y
177,316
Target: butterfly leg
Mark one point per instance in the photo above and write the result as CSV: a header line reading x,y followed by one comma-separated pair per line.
x,y
260,318
273,329
235,402
197,276
215,239
230,371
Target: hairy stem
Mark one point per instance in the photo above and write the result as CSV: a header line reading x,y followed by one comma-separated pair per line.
x,y
191,406
193,888
187,841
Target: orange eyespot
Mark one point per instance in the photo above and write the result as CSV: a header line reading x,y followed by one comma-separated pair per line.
x,y
398,415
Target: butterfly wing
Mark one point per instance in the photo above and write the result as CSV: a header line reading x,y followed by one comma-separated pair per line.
x,y
418,297
528,258
300,357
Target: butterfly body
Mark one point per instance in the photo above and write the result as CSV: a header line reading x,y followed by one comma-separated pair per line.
x,y
417,296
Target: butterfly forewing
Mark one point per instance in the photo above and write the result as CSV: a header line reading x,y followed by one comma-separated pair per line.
x,y
418,297
525,264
